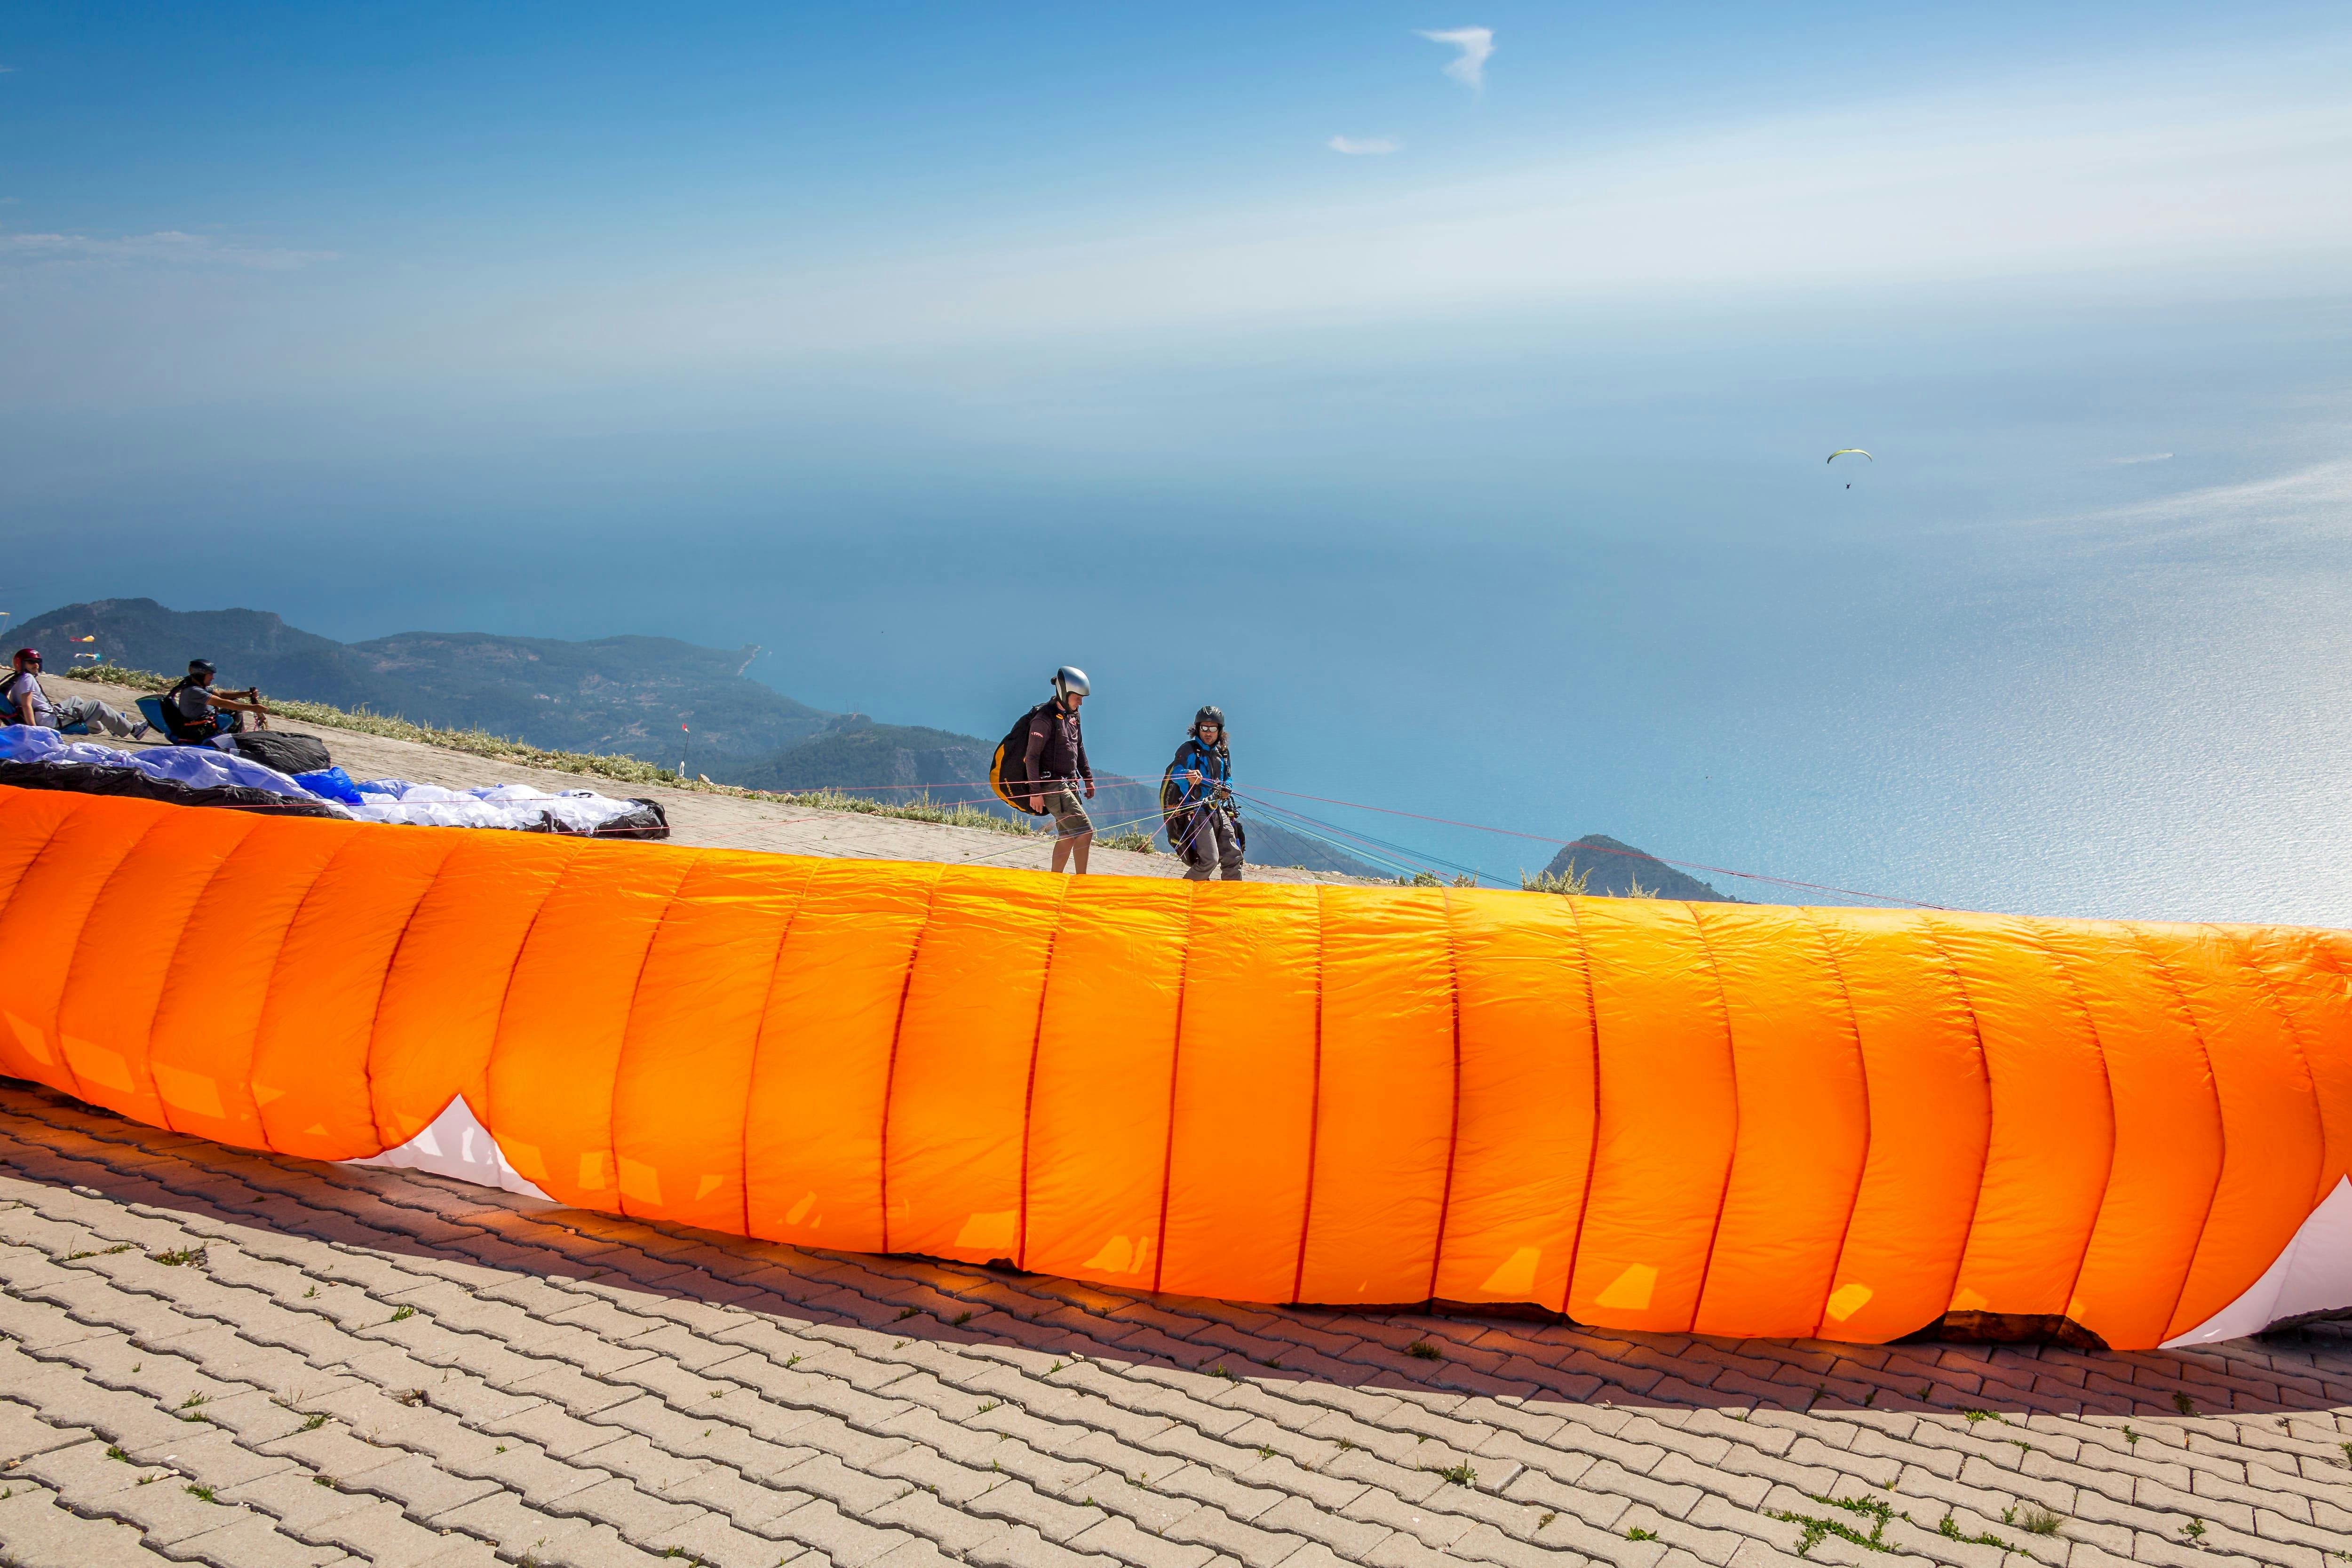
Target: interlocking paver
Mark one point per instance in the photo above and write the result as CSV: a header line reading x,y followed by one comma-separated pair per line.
x,y
576,1388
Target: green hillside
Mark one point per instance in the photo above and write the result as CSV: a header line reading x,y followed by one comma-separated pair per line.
x,y
627,695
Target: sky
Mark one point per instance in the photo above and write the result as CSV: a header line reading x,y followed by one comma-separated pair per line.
x,y
1443,391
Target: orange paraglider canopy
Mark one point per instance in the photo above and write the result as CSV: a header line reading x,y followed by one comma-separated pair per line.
x,y
1720,1119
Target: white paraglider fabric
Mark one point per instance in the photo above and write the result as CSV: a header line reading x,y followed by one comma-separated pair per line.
x,y
514,805
200,767
2312,1274
457,1144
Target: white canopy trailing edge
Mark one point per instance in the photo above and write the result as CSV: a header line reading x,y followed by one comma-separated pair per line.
x,y
2313,1274
457,1144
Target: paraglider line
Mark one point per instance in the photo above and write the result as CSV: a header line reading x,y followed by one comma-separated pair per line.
x,y
1629,854
1407,859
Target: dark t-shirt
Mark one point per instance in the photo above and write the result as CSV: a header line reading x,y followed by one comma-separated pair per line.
x,y
189,703
1057,747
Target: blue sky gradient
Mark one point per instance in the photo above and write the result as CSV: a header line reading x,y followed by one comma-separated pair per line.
x,y
931,347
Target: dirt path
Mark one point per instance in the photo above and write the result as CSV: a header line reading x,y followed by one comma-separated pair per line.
x,y
714,821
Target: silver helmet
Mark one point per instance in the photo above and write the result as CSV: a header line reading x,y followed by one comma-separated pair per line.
x,y
1070,679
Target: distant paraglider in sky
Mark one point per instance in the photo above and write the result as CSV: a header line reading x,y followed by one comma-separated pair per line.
x,y
1848,451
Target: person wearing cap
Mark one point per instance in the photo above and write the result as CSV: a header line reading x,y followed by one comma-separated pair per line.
x,y
1203,825
28,704
1057,766
193,713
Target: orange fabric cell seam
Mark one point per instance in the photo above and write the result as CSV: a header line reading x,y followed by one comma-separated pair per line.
x,y
680,1089
437,1017
1669,1114
2271,1144
1804,1125
559,1042
1098,1116
962,1078
1384,1109
1245,1088
1930,1116
1526,1132
2052,1140
209,1019
2167,1137
2311,984
108,1007
40,931
814,1146
311,1043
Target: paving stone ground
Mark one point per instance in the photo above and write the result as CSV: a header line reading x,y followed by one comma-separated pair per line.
x,y
209,1356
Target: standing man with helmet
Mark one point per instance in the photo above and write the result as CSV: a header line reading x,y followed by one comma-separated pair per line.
x,y
28,704
1196,795
1055,762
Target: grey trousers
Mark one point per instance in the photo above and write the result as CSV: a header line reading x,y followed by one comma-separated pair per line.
x,y
97,715
1210,844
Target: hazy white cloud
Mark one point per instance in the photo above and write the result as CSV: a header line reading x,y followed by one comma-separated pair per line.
x,y
2133,177
167,247
1469,66
2314,500
2143,457
2192,180
1363,146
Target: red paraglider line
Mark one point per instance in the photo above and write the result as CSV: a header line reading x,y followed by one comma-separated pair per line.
x,y
1600,849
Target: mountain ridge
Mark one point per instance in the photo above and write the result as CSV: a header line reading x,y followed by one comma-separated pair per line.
x,y
654,698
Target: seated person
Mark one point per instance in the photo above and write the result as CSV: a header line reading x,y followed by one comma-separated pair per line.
x,y
28,704
194,712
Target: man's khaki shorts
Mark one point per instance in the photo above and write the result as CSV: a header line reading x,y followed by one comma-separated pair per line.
x,y
1068,812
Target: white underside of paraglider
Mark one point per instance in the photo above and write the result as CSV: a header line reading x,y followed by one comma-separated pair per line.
x,y
2313,1274
456,1143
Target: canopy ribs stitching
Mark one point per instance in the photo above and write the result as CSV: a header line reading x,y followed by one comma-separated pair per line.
x,y
890,1070
1862,1061
1731,1155
2302,1054
1175,1065
2155,957
1592,1146
759,1036
2091,1024
285,934
179,943
1984,1066
1453,1128
81,932
1313,1108
628,1023
1029,1095
506,994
